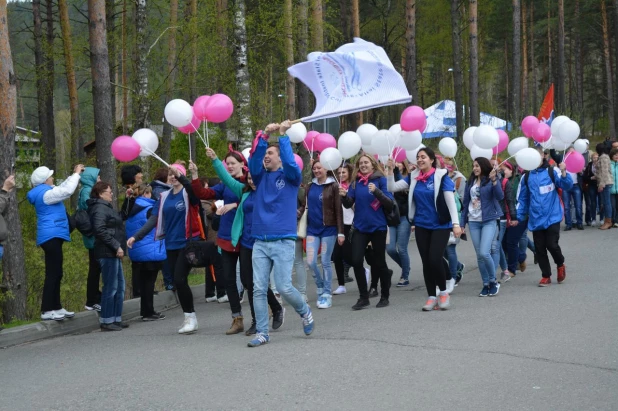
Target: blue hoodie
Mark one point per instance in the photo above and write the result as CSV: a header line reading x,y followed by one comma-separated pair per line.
x,y
225,227
491,197
368,212
274,212
88,180
148,249
538,199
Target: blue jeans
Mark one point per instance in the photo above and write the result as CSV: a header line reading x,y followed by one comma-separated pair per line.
x,y
112,295
299,268
277,256
397,248
574,193
512,239
497,252
1,252
606,201
323,280
483,235
453,263
525,243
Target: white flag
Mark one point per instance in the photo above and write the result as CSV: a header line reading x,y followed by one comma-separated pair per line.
x,y
355,77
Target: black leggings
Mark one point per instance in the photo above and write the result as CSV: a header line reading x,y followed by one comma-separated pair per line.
x,y
147,276
338,256
378,243
547,240
214,275
178,262
53,274
136,279
246,277
229,280
93,293
431,245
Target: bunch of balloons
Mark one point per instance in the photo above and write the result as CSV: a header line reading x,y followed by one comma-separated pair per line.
x,y
143,143
485,141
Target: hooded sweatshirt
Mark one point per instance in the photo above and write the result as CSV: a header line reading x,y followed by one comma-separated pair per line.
x,y
369,207
88,179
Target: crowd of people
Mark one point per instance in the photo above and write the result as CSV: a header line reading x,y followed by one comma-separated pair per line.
x,y
251,226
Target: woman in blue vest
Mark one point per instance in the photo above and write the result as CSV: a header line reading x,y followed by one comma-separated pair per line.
x,y
51,232
147,254
241,235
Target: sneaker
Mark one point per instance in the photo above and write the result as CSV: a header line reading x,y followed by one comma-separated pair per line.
x,y
223,299
211,299
493,289
121,324
373,292
561,274
154,317
319,302
615,225
260,339
360,304
403,282
485,291
450,285
340,290
189,326
505,276
522,266
252,330
580,227
382,303
278,319
93,307
545,282
67,314
111,327
52,315
326,301
241,296
567,228
444,301
170,287
460,271
308,322
430,304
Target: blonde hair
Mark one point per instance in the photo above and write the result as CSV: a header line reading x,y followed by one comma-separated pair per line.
x,y
376,166
141,189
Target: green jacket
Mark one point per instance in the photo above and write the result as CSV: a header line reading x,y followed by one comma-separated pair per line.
x,y
88,179
614,171
237,187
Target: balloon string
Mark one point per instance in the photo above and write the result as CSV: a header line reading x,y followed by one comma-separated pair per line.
x,y
335,172
207,140
153,154
505,161
190,157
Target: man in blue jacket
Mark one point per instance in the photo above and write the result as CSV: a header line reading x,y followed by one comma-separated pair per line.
x,y
277,179
539,202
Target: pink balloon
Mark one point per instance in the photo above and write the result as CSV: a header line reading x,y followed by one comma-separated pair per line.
x,y
528,125
199,107
125,149
503,142
574,162
192,127
299,161
399,154
309,140
219,108
413,118
323,141
542,133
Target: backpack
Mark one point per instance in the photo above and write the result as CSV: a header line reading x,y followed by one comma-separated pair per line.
x,y
552,176
81,221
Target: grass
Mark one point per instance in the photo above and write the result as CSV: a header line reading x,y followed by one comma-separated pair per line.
x,y
17,323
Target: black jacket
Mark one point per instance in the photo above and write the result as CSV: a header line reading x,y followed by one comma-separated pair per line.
x,y
108,228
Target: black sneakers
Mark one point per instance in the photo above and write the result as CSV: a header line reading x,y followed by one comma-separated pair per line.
x,y
383,303
360,304
111,327
278,319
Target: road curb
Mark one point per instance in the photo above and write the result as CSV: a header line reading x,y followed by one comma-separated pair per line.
x,y
87,321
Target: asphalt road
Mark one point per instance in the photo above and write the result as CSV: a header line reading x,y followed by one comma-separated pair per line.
x,y
529,348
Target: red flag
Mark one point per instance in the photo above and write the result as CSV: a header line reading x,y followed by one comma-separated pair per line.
x,y
546,113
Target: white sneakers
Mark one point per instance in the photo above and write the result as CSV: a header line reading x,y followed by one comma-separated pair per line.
x,y
67,314
340,290
53,315
211,299
223,299
189,326
325,301
450,285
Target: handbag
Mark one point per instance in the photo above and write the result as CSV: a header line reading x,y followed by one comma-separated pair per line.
x,y
196,250
393,218
301,230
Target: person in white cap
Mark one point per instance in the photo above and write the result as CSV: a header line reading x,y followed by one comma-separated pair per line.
x,y
51,232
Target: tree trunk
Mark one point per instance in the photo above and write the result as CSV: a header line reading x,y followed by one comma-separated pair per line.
x,y
290,104
345,20
608,73
110,16
193,93
524,49
457,67
51,79
14,272
549,59
125,83
616,57
507,93
355,119
171,79
474,65
579,70
303,38
516,64
141,68
411,49
317,26
561,83
534,86
243,96
101,92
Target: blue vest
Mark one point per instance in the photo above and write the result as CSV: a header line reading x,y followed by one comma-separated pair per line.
x,y
52,219
148,249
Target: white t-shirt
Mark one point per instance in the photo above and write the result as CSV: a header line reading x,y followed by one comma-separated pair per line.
x,y
474,209
573,177
348,216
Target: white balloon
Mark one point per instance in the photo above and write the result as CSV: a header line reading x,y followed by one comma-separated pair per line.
x,y
368,149
380,143
476,152
468,137
568,131
448,147
556,123
349,144
383,159
486,137
366,131
395,129
549,144
580,146
178,113
393,139
148,141
331,158
245,153
297,132
558,144
411,154
517,144
528,159
410,140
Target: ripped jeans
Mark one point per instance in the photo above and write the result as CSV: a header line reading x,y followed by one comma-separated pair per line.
x,y
326,245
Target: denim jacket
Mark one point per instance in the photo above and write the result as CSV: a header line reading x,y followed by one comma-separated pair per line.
x,y
491,196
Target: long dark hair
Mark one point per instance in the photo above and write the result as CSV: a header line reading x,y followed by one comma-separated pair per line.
x,y
350,169
431,154
485,166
